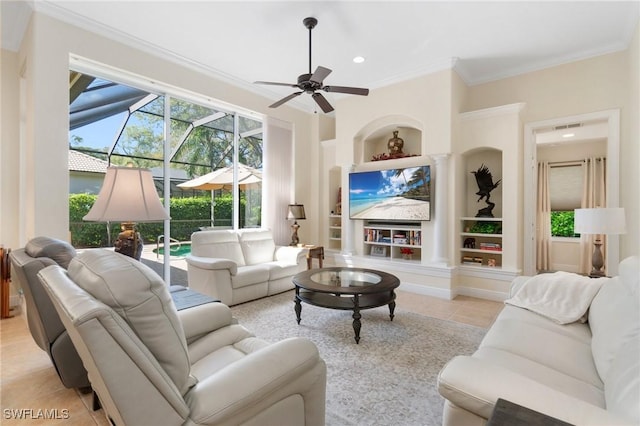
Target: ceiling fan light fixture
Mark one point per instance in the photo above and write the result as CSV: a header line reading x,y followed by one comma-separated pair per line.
x,y
358,59
311,83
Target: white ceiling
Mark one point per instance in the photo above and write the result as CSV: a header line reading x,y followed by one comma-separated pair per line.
x,y
242,42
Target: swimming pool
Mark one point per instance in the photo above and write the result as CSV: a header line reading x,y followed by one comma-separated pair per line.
x,y
175,249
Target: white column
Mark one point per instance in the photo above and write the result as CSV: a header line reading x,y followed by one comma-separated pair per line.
x,y
441,209
348,243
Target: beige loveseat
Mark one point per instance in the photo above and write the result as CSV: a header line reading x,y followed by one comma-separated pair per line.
x,y
581,373
239,266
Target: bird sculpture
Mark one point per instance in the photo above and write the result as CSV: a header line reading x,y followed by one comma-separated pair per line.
x,y
484,179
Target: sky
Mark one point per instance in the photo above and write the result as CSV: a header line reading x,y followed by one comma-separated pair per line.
x,y
382,183
100,134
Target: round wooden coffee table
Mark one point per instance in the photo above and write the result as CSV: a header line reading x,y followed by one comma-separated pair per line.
x,y
351,289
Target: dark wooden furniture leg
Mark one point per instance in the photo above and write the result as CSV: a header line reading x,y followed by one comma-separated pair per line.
x,y
357,325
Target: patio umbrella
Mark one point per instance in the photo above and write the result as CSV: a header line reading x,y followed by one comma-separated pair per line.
x,y
223,179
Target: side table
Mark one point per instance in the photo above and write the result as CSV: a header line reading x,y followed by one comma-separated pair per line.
x,y
185,298
316,252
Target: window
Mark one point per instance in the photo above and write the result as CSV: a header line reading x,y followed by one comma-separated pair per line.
x,y
115,124
562,224
565,188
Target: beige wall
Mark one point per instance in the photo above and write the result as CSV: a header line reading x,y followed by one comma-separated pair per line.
x,y
44,55
9,152
425,100
630,154
581,87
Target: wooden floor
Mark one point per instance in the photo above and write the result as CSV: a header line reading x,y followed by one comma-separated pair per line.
x,y
29,384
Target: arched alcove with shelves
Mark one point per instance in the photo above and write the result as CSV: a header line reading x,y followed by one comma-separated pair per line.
x,y
391,239
372,140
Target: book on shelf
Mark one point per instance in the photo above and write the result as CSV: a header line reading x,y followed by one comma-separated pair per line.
x,y
414,238
490,246
468,260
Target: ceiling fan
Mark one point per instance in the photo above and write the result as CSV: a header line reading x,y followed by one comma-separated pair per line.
x,y
312,83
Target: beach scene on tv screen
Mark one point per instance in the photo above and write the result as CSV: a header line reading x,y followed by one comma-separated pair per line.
x,y
395,194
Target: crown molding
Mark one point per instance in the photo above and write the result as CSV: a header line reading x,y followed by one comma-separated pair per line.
x,y
55,11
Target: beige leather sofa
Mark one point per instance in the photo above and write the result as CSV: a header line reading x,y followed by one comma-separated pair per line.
x,y
152,365
581,373
239,266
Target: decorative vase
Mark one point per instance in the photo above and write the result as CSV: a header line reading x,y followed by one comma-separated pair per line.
x,y
395,144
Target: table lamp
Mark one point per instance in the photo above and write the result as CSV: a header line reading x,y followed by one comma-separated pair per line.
x,y
128,195
296,211
599,221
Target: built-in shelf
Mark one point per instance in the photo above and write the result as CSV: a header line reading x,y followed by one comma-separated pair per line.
x,y
481,249
398,242
335,231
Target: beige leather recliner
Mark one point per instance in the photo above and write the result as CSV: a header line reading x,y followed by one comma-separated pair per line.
x,y
151,365
44,323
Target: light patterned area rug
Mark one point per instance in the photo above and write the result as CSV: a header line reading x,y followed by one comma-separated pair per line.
x,y
387,379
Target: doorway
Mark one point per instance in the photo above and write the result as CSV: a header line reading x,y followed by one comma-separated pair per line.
x,y
544,131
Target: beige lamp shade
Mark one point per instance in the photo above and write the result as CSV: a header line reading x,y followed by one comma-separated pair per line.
x,y
295,212
128,194
605,221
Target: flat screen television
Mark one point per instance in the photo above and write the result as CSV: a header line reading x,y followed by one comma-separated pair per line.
x,y
391,195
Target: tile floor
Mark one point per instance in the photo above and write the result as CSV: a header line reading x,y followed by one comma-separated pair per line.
x,y
28,381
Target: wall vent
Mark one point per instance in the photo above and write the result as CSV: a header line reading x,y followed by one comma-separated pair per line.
x,y
568,126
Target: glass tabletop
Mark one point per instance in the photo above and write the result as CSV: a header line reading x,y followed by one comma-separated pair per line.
x,y
346,278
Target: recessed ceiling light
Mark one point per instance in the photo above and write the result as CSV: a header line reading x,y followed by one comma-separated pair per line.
x,y
358,59
568,135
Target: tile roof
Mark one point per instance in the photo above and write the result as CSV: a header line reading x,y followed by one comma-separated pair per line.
x,y
81,162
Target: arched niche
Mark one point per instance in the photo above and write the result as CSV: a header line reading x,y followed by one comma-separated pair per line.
x,y
472,160
372,139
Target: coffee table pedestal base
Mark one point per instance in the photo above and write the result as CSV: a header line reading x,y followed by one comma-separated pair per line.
x,y
354,303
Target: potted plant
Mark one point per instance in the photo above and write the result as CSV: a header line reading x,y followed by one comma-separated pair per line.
x,y
406,253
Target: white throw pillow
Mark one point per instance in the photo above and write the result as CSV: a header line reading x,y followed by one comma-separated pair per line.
x,y
614,316
622,384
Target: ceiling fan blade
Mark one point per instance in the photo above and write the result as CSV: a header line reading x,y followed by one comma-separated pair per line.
x,y
320,74
273,83
322,102
349,90
286,99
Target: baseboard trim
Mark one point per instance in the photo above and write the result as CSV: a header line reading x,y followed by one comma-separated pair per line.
x,y
442,293
14,300
497,296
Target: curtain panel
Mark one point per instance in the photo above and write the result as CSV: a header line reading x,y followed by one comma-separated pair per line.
x,y
593,195
543,219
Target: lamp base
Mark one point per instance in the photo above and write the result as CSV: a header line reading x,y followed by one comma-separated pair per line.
x,y
597,261
294,236
129,241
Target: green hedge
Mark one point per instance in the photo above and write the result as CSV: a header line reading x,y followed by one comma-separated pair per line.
x,y
187,216
562,224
